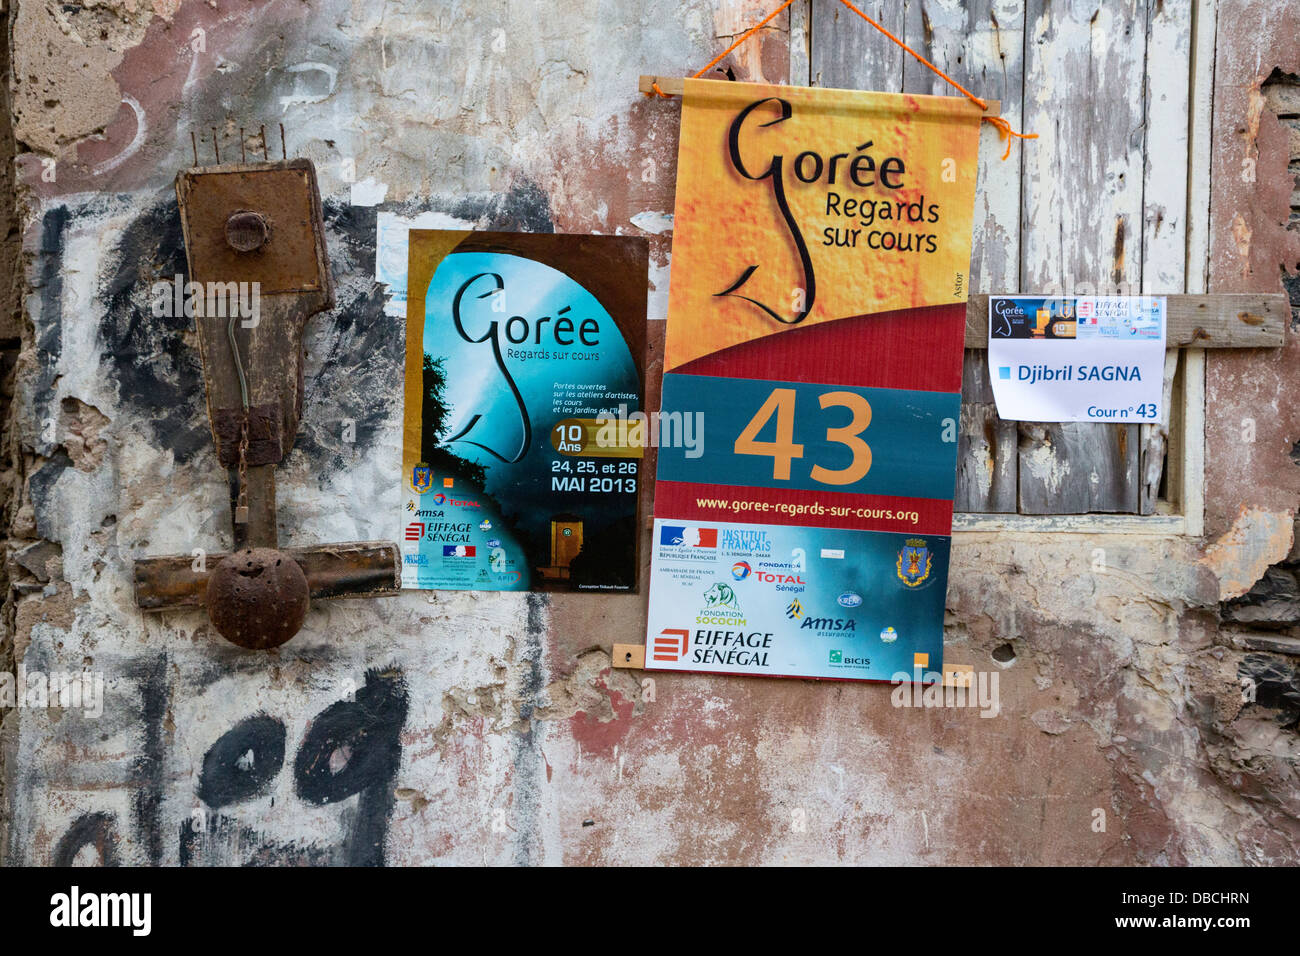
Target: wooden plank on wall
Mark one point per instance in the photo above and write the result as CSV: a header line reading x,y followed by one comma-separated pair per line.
x,y
1164,192
1081,226
1073,468
801,43
849,53
1155,442
986,445
1223,321
1168,127
980,43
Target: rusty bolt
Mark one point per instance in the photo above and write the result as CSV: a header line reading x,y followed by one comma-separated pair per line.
x,y
247,231
257,598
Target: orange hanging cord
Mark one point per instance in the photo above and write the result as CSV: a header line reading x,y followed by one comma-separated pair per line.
x,y
1003,127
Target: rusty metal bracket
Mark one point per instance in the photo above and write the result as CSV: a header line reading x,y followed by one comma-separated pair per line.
x,y
255,246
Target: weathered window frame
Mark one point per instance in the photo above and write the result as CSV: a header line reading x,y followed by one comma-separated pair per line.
x,y
1180,512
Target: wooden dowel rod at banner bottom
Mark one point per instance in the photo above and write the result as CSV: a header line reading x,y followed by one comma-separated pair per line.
x,y
676,85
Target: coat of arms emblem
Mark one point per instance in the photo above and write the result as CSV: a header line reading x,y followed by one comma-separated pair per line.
x,y
914,562
421,478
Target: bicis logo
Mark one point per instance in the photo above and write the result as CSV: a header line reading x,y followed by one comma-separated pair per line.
x,y
837,657
740,570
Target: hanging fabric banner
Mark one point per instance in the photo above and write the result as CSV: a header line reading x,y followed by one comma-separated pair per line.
x,y
816,321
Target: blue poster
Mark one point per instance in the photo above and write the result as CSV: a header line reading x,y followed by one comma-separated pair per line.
x,y
516,346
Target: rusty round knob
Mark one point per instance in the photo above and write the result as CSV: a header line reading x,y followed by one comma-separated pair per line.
x,y
247,231
257,598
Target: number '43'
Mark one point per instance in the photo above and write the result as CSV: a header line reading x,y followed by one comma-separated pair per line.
x,y
784,450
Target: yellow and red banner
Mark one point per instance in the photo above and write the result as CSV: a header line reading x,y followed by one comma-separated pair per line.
x,y
798,206
816,322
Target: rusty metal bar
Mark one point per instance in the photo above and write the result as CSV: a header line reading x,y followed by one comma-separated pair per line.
x,y
350,569
260,530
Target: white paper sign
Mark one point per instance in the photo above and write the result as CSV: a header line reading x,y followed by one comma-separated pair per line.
x,y
1078,358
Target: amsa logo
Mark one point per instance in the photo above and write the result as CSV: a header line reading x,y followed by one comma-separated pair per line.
x,y
828,624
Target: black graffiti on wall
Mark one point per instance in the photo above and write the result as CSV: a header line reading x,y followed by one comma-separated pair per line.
x,y
352,748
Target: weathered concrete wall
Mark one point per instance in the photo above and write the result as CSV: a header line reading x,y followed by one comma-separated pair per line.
x,y
490,727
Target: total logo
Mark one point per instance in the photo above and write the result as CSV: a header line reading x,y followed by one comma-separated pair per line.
x,y
768,577
782,581
440,499
741,570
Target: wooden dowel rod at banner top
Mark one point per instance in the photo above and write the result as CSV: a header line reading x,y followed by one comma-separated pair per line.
x,y
675,85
